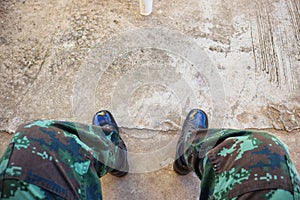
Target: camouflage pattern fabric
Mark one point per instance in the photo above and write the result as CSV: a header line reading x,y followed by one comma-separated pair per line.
x,y
59,160
235,164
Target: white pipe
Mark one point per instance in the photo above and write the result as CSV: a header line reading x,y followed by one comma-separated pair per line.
x,y
146,7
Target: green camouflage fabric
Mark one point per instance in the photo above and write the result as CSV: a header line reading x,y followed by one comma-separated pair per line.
x,y
234,164
59,160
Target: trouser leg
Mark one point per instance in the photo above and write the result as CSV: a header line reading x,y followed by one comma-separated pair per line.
x,y
12,189
105,143
64,158
234,163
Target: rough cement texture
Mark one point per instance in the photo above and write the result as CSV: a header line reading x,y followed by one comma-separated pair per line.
x,y
237,60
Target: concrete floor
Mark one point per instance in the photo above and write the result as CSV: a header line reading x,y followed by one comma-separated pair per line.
x,y
237,60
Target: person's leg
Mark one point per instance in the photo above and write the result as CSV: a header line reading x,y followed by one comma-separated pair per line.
x,y
48,154
250,163
63,158
234,163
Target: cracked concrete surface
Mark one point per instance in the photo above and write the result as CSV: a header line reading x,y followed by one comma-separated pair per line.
x,y
238,60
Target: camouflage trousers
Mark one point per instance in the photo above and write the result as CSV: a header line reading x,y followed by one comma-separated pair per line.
x,y
235,164
59,160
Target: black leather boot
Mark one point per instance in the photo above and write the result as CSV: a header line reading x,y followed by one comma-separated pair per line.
x,y
195,120
107,122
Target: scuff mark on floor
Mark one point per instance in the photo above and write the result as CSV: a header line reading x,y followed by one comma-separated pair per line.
x,y
272,40
268,56
294,11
